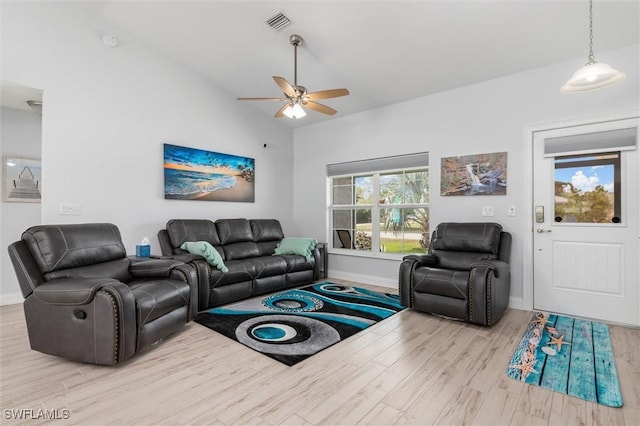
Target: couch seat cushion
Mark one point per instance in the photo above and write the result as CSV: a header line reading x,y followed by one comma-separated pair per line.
x,y
443,282
268,266
295,263
239,271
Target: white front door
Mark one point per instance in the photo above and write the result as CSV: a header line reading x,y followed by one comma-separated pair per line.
x,y
587,222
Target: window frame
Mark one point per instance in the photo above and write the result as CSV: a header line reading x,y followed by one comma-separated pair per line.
x,y
376,207
614,160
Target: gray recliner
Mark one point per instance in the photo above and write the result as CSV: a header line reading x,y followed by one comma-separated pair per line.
x,y
465,275
86,301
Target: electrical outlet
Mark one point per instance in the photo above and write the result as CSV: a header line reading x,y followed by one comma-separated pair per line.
x,y
70,209
512,211
487,211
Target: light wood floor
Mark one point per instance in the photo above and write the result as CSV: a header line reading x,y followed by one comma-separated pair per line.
x,y
409,369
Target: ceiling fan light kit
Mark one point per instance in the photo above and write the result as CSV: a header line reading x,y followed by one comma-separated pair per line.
x,y
294,111
594,75
296,96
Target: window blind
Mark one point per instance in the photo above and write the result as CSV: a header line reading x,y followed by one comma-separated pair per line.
x,y
397,162
590,143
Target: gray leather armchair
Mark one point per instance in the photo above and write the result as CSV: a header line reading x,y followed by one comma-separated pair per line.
x,y
465,275
86,301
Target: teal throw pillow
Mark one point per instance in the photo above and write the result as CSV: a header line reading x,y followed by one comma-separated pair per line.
x,y
207,251
301,246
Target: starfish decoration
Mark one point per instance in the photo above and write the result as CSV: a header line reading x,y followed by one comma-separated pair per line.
x,y
525,368
558,341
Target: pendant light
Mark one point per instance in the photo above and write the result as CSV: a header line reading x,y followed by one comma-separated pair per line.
x,y
594,75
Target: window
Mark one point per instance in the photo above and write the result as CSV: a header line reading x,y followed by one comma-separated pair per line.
x,y
587,188
380,212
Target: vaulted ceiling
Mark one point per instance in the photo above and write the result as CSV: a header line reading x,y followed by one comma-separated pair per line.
x,y
384,52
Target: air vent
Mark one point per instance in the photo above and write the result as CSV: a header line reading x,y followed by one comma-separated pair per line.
x,y
278,21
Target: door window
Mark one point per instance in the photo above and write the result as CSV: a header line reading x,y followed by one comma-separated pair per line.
x,y
587,188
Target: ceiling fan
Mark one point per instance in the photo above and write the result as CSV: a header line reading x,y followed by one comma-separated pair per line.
x,y
296,96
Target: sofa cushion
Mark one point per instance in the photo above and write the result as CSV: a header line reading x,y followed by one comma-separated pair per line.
x,y
442,282
266,230
181,230
239,271
467,237
268,266
56,247
296,263
241,251
206,250
234,231
116,269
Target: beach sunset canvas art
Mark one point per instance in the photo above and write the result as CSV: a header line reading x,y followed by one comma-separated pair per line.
x,y
195,174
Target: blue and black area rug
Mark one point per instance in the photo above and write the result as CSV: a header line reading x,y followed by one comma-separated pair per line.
x,y
293,325
568,355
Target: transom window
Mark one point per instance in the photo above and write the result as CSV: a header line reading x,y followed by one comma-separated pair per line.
x,y
380,212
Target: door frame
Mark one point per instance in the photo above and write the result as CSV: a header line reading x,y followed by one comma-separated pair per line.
x,y
528,179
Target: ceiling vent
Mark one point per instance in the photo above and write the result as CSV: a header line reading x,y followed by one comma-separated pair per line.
x,y
278,21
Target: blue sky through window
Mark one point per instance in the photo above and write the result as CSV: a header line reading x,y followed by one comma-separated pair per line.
x,y
587,178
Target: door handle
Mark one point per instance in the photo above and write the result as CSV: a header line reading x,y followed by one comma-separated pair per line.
x,y
542,230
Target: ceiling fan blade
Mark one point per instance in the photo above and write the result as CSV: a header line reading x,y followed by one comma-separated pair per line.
x,y
280,112
261,99
320,108
285,86
326,94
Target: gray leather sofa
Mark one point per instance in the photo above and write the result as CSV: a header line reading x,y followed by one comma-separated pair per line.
x,y
465,275
247,248
85,300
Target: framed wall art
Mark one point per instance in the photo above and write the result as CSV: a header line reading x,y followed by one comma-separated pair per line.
x,y
195,174
478,174
22,180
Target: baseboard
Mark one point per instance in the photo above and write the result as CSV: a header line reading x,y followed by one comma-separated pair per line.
x,y
516,303
11,299
365,279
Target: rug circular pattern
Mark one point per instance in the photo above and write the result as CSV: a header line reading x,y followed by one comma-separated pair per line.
x,y
291,302
337,288
286,334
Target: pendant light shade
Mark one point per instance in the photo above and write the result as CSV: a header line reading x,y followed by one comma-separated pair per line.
x,y
594,75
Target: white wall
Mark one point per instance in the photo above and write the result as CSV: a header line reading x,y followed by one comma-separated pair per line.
x,y
20,136
107,113
486,117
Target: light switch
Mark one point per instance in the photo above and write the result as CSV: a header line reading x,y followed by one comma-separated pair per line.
x,y
70,209
512,211
487,211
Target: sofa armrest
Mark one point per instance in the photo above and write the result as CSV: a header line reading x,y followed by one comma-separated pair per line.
x,y
405,279
422,259
498,267
153,268
489,287
71,291
318,262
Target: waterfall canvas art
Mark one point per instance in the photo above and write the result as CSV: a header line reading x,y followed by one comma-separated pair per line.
x,y
478,174
195,174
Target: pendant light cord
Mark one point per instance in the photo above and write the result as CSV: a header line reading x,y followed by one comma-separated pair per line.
x,y
592,58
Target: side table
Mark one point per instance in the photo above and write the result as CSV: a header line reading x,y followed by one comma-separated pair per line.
x,y
324,259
